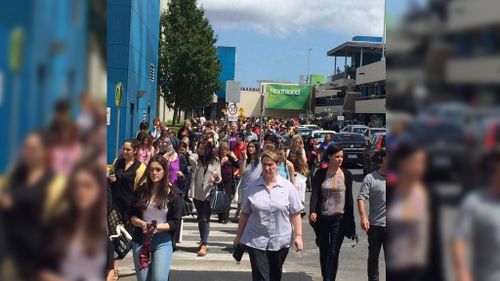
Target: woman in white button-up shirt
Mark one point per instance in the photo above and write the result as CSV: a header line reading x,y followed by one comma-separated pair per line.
x,y
270,221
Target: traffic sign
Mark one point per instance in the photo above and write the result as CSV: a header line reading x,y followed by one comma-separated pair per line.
x,y
232,111
16,49
233,91
340,118
118,94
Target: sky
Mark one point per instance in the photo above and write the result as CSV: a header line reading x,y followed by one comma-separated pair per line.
x,y
272,38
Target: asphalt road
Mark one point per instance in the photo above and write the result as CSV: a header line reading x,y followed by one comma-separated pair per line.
x,y
218,265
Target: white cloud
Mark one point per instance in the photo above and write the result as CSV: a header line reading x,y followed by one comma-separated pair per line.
x,y
287,17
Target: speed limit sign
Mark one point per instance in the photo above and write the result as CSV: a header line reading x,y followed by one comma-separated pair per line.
x,y
232,110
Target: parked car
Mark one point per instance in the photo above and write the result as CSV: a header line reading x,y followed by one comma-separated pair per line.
x,y
448,148
486,129
376,130
304,132
492,138
357,129
312,127
458,113
354,146
319,135
377,141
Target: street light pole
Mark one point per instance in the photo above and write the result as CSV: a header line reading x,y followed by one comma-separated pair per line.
x,y
309,78
385,30
261,113
309,65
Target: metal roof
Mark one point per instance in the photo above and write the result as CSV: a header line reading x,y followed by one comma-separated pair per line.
x,y
354,47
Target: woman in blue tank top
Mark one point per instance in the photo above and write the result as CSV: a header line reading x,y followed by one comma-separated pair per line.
x,y
285,167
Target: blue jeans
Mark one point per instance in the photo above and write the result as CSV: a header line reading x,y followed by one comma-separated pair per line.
x,y
331,236
161,258
204,212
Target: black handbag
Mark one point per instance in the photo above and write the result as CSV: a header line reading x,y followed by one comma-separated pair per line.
x,y
122,243
220,200
121,246
188,207
238,252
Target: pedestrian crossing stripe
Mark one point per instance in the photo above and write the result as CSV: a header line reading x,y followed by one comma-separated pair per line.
x,y
213,234
183,256
214,245
213,224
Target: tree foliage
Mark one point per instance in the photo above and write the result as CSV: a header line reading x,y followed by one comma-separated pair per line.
x,y
188,67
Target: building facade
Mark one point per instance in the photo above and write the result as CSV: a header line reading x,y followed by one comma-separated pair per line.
x,y
250,101
357,91
227,59
472,69
44,58
132,44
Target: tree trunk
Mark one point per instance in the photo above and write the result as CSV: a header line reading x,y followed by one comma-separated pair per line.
x,y
164,110
158,102
175,116
178,116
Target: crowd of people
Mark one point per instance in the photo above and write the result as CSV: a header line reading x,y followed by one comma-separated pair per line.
x,y
59,222
165,174
56,224
53,199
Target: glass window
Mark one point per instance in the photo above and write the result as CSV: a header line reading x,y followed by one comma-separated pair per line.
x,y
359,130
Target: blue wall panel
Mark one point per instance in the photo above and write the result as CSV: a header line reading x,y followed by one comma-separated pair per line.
x,y
227,58
135,41
54,64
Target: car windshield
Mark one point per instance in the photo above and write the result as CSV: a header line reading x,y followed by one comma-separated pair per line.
x,y
359,130
320,135
304,132
373,131
348,138
440,131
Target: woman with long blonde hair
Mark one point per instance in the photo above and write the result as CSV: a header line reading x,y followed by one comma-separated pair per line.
x,y
297,143
301,171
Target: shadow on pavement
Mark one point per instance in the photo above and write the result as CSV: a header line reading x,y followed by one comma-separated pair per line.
x,y
229,231
224,276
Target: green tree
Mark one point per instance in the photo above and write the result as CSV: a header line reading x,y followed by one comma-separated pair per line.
x,y
188,66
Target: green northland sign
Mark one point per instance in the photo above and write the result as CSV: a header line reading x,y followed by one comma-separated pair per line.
x,y
280,96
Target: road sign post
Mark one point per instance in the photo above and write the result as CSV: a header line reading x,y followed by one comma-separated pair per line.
x,y
118,103
233,91
232,112
341,118
16,56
